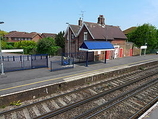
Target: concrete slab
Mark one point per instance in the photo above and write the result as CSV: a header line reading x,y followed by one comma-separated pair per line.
x,y
152,113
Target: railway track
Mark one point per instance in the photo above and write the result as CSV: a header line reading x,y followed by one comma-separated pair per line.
x,y
105,91
78,109
134,103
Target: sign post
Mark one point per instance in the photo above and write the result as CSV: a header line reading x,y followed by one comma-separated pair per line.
x,y
143,48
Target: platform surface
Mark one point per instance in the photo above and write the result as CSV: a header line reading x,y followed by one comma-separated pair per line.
x,y
26,79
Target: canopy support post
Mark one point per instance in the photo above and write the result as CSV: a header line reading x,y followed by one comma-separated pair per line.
x,y
87,59
105,57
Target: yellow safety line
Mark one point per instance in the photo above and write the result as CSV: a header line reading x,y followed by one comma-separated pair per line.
x,y
70,75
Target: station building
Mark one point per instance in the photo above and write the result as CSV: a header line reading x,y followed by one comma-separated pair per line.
x,y
87,31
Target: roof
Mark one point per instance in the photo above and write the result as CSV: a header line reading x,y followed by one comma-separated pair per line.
x,y
17,34
129,30
75,29
96,45
104,31
46,35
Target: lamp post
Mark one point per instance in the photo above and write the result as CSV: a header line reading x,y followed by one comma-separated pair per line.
x,y
145,49
68,38
2,68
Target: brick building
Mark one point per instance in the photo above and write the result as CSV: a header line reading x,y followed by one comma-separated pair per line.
x,y
87,31
15,36
46,35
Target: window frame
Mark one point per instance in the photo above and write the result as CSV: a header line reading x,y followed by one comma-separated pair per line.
x,y
85,37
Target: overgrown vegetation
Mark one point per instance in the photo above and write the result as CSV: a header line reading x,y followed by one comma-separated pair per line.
x,y
15,103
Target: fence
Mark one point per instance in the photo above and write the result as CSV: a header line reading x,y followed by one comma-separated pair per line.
x,y
69,59
65,63
80,57
13,63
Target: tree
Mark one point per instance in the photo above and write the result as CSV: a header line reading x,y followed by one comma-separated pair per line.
x,y
145,35
2,33
47,46
3,44
60,40
28,46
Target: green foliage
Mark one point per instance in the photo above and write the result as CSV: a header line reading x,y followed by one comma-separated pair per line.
x,y
2,33
47,46
3,106
28,46
10,45
54,50
3,44
15,103
144,34
6,45
141,68
60,40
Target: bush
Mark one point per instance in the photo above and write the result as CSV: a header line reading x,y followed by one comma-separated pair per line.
x,y
10,43
28,46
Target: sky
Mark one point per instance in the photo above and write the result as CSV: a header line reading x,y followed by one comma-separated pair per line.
x,y
51,16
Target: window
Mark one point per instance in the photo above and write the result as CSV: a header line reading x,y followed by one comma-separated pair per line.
x,y
72,36
85,35
68,36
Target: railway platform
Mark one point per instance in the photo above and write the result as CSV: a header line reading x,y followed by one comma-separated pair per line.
x,y
17,81
151,113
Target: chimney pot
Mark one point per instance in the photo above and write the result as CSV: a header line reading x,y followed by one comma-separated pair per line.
x,y
80,22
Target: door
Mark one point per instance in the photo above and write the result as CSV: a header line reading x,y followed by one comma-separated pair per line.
x,y
131,52
107,54
121,52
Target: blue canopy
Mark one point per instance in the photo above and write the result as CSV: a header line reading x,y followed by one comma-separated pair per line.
x,y
96,46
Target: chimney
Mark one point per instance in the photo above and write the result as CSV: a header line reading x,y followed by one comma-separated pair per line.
x,y
101,20
80,22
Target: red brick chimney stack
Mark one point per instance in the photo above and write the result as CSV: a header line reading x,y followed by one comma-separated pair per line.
x,y
101,20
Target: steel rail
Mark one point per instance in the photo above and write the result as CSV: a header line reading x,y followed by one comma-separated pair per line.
x,y
116,78
135,91
141,111
74,91
70,106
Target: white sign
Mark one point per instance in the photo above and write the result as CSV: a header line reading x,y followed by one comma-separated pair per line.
x,y
143,47
13,50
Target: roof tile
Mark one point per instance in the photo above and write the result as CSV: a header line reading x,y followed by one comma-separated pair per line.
x,y
105,31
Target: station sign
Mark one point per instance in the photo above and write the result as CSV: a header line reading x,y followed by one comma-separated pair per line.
x,y
143,47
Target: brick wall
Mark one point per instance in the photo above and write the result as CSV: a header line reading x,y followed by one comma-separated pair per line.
x,y
36,38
